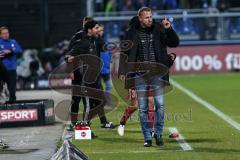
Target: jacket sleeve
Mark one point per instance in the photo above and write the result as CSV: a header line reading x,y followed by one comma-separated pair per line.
x,y
77,49
127,37
172,39
122,70
72,41
75,38
100,45
16,49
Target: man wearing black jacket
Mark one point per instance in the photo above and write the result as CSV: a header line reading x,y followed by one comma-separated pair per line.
x,y
150,40
87,43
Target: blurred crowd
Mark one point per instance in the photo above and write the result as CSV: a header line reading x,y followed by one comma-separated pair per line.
x,y
133,5
205,28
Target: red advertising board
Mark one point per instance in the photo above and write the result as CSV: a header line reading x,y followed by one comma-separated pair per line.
x,y
206,59
18,115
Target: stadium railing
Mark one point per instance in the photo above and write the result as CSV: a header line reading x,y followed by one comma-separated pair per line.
x,y
192,25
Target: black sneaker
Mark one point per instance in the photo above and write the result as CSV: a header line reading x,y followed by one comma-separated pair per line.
x,y
70,127
93,135
148,143
108,125
159,140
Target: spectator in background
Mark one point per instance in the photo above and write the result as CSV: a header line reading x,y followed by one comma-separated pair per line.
x,y
184,4
195,4
208,25
140,3
105,72
9,49
111,6
156,4
129,6
171,4
211,25
99,5
30,68
60,51
223,6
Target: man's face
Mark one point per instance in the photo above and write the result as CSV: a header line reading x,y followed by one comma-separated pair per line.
x,y
146,18
94,31
100,31
4,34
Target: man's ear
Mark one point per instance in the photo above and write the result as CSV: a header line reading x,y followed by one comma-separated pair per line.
x,y
139,18
89,31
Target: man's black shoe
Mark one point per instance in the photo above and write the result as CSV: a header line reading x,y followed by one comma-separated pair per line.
x,y
93,135
159,140
70,127
148,143
108,125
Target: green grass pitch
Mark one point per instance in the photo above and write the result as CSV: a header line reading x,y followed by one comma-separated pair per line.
x,y
209,135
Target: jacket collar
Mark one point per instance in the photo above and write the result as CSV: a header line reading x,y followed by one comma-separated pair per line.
x,y
135,23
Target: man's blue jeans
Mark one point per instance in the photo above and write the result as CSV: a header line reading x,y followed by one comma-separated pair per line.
x,y
143,87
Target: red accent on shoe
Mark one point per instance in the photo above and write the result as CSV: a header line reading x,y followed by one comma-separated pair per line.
x,y
174,135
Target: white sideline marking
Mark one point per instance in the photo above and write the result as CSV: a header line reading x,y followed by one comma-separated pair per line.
x,y
207,105
185,146
145,151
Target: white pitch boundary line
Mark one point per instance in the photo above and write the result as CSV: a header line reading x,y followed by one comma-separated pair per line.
x,y
207,105
184,145
145,151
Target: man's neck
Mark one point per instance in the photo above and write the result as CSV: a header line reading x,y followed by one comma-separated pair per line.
x,y
142,25
89,34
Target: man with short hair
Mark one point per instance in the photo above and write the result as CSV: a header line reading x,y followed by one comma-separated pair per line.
x,y
87,44
9,50
150,40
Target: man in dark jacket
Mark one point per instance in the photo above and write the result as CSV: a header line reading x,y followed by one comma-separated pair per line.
x,y
150,40
87,44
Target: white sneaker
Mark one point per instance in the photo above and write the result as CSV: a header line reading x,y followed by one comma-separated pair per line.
x,y
121,130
